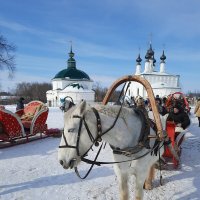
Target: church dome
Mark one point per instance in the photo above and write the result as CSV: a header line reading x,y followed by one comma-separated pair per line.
x,y
163,57
138,60
150,51
71,72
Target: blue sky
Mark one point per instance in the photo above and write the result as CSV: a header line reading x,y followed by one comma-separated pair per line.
x,y
106,36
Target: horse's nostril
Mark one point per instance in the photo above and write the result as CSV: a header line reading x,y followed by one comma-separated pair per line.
x,y
61,162
72,162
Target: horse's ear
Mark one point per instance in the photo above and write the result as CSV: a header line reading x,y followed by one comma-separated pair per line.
x,y
81,107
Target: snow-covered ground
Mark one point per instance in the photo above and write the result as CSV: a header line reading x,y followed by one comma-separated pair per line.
x,y
32,172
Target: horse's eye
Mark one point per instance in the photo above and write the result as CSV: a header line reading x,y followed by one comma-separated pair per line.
x,y
71,130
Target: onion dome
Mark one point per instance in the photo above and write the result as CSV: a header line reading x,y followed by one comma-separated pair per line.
x,y
147,56
138,60
150,51
163,57
71,72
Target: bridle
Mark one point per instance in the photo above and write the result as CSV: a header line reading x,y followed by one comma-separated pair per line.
x,y
93,140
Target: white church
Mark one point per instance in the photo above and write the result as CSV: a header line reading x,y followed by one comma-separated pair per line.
x,y
78,85
161,82
70,82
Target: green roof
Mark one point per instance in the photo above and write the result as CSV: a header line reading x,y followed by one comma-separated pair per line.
x,y
71,72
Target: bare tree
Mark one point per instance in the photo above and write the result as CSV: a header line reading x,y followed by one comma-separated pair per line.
x,y
100,93
7,58
33,91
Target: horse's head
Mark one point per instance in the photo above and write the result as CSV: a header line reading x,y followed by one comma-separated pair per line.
x,y
67,103
75,141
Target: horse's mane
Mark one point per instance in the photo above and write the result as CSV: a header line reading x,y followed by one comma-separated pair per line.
x,y
113,110
108,110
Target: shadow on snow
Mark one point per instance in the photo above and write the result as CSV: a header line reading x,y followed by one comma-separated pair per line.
x,y
61,179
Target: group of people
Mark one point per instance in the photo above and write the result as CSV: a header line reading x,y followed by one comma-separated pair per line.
x,y
177,114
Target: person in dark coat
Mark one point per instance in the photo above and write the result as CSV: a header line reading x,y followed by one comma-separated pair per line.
x,y
179,117
20,104
161,108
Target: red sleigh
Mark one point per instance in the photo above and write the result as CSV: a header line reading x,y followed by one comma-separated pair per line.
x,y
25,124
177,98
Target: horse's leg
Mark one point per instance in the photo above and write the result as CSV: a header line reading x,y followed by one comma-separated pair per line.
x,y
123,186
123,183
149,179
140,176
139,186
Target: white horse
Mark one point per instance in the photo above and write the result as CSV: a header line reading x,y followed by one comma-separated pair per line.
x,y
76,141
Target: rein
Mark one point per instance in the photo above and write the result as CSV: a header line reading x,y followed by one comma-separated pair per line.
x,y
99,163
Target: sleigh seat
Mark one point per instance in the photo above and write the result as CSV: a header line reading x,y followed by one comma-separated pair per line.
x,y
33,117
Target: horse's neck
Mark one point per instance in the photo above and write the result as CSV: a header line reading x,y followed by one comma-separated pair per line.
x,y
125,131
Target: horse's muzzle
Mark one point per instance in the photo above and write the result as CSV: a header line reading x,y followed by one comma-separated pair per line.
x,y
71,164
64,164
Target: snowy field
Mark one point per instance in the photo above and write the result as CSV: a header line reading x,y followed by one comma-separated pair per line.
x,y
32,172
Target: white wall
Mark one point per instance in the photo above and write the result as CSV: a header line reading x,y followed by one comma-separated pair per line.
x,y
171,85
62,83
